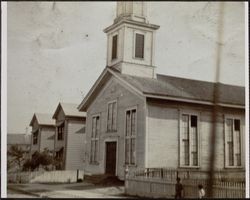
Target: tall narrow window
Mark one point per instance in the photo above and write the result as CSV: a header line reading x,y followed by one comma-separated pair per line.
x,y
111,121
130,136
60,132
35,137
114,46
95,139
189,140
139,45
233,142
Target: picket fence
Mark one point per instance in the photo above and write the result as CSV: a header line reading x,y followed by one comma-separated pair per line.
x,y
161,183
56,176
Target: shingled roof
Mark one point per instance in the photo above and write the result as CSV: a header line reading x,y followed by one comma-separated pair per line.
x,y
184,88
69,109
171,88
42,119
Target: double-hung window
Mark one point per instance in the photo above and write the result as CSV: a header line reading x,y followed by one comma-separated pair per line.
x,y
189,140
60,132
95,139
232,142
35,137
111,121
130,137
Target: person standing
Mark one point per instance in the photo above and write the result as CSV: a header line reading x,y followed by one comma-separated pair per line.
x,y
201,191
178,189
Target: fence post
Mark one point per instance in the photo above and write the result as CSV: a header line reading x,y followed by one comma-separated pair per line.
x,y
77,175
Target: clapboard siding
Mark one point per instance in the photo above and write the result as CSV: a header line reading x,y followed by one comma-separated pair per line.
x,y
113,90
162,137
163,133
75,145
47,139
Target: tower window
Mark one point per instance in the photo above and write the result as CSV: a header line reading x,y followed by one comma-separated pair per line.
x,y
139,45
114,47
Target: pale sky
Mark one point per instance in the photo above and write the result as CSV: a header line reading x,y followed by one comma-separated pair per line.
x,y
56,51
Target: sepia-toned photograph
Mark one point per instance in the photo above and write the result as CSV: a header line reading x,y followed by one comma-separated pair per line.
x,y
126,99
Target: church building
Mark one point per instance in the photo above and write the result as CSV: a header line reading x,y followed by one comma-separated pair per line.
x,y
139,119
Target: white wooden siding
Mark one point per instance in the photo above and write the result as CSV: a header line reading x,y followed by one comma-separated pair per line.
x,y
162,137
75,146
113,90
163,134
46,140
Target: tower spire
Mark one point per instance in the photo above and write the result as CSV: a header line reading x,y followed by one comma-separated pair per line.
x,y
131,40
133,10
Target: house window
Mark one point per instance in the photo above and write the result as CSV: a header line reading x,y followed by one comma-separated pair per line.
x,y
35,137
233,142
189,140
130,136
111,121
60,132
59,154
139,45
114,46
95,139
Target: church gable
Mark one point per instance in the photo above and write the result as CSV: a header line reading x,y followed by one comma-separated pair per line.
x,y
113,90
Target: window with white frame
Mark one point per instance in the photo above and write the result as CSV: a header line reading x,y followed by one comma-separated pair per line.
x,y
189,140
111,121
130,136
232,142
114,46
95,139
139,45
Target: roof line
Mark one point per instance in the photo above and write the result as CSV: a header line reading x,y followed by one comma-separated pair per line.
x,y
107,69
57,110
92,89
197,80
194,101
126,83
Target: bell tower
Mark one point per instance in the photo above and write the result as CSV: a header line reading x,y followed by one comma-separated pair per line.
x,y
131,40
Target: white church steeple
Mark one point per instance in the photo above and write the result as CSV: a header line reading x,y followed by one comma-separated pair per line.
x,y
134,10
131,40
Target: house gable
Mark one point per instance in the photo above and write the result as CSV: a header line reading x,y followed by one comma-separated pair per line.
x,y
59,113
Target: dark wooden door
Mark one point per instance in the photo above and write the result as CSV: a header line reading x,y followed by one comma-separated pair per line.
x,y
110,158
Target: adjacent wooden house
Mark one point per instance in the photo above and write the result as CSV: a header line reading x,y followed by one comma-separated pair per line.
x,y
69,140
139,119
43,131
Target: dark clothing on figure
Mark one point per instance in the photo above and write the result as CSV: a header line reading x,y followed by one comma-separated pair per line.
x,y
178,190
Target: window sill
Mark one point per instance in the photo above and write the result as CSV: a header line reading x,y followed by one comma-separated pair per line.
x,y
94,163
234,167
189,167
138,58
111,131
130,165
114,60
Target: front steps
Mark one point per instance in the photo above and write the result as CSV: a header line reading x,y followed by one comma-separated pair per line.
x,y
103,179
